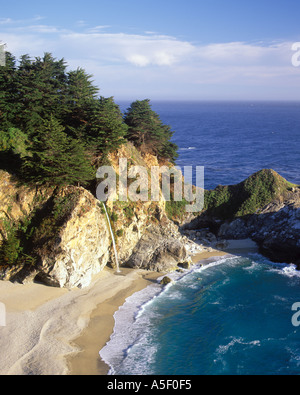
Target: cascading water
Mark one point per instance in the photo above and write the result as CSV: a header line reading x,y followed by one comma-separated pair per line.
x,y
113,239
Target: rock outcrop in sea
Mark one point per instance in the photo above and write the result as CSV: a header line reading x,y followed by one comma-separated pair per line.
x,y
264,208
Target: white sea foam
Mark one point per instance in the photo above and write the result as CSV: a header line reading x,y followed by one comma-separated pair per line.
x,y
285,269
131,323
133,345
291,271
188,149
253,268
125,332
223,349
132,326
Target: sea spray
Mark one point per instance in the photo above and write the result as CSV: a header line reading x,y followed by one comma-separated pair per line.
x,y
113,239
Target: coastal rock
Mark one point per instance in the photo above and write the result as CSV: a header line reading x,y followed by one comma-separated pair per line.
x,y
17,202
157,251
82,249
265,208
69,246
184,265
66,238
165,281
276,230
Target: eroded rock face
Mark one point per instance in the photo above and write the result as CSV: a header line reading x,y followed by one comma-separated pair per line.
x,y
157,251
17,202
68,251
71,242
82,249
276,229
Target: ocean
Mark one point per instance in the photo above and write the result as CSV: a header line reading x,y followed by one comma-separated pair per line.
x,y
234,315
233,140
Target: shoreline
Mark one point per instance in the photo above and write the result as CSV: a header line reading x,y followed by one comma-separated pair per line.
x,y
43,323
53,331
101,326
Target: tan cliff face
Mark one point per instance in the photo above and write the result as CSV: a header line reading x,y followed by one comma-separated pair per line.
x,y
17,202
81,245
82,248
70,237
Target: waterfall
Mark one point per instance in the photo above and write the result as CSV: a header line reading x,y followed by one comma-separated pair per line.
x,y
113,239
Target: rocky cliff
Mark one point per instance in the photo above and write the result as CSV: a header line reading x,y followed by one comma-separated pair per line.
x,y
265,208
61,236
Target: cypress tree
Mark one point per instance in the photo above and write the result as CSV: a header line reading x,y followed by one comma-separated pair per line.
x,y
107,130
148,133
8,91
41,86
56,158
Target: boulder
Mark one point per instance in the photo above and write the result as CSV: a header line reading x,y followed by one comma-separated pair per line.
x,y
157,251
184,265
165,281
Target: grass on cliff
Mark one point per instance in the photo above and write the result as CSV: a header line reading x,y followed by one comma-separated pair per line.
x,y
248,197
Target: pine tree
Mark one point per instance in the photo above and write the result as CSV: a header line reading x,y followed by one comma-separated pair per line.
x,y
80,97
148,133
107,130
41,86
56,158
8,91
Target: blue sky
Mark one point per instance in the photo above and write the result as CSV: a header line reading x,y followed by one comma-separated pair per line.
x,y
166,49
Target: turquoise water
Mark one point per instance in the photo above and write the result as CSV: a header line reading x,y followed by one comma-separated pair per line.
x,y
231,317
235,315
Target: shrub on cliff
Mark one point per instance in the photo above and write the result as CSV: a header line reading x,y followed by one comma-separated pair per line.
x,y
248,197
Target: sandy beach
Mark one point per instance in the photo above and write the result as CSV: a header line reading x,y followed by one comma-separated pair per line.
x,y
101,325
57,331
42,323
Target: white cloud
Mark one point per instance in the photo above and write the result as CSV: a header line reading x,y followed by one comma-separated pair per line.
x,y
160,64
5,21
43,29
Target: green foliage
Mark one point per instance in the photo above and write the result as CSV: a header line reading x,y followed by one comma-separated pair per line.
x,y
148,133
48,221
106,129
10,249
13,247
176,210
14,141
24,241
248,197
53,127
114,217
119,232
129,212
40,86
56,158
8,103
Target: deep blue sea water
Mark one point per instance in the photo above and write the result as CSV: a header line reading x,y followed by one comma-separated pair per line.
x,y
233,316
233,140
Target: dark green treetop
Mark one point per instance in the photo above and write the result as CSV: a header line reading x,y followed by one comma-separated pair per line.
x,y
147,131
